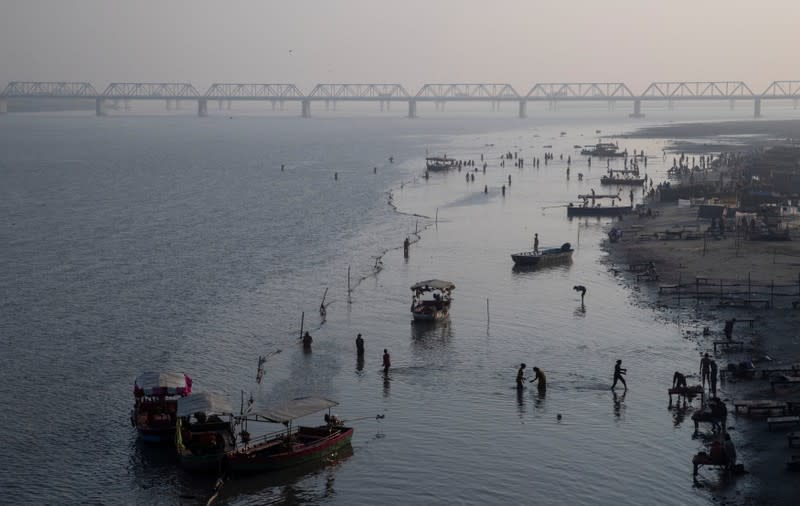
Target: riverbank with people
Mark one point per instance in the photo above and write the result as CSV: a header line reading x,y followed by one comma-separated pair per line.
x,y
710,272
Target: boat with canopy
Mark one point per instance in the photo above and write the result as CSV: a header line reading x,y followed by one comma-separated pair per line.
x,y
435,163
431,300
156,402
290,446
585,209
202,436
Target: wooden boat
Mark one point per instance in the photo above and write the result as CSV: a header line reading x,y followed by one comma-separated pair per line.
x,y
613,211
548,256
604,149
431,300
156,404
439,163
202,436
293,445
629,181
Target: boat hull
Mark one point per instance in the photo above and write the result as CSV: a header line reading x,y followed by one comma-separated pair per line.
x,y
622,181
430,316
531,259
267,456
598,211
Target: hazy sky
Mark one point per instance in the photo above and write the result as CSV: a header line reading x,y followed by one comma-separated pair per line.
x,y
412,42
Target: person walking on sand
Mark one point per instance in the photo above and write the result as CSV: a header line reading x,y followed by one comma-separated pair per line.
x,y
359,346
619,371
387,361
540,378
705,369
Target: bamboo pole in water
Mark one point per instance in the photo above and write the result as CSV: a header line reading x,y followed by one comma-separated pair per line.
x,y
487,310
302,321
349,300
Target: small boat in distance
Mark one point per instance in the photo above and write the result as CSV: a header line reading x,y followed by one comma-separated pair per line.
x,y
202,437
604,149
596,209
431,300
544,257
624,181
156,404
290,446
440,163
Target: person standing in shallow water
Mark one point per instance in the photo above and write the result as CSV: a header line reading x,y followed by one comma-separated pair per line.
x,y
540,378
387,361
307,340
705,370
359,346
619,371
521,376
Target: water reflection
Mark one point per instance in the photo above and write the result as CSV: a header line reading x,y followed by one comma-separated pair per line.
x,y
386,384
360,365
431,333
521,402
538,400
619,403
295,485
530,270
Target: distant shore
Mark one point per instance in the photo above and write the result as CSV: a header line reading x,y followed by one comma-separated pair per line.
x,y
772,340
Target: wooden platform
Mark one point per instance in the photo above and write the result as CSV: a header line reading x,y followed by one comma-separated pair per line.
x,y
782,421
765,406
784,380
729,344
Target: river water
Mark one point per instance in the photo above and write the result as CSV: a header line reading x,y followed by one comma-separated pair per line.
x,y
151,241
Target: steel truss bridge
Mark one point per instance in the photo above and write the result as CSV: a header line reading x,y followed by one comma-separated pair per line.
x,y
385,93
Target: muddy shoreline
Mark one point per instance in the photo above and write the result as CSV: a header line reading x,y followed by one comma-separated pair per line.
x,y
771,340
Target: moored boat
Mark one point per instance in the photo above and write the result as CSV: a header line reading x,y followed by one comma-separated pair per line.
x,y
431,300
292,445
435,163
585,209
547,256
156,402
628,181
604,149
202,436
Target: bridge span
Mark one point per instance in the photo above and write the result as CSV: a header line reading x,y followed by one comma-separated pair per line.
x,y
387,93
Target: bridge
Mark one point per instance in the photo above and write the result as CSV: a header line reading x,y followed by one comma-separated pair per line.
x,y
387,93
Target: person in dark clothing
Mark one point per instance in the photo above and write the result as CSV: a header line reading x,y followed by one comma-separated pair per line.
x,y
359,346
521,376
619,371
678,380
713,379
705,369
582,289
387,361
729,328
540,377
307,340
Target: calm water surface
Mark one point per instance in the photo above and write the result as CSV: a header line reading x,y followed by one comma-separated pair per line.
x,y
144,242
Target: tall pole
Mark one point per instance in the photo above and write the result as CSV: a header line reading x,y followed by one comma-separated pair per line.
x,y
302,321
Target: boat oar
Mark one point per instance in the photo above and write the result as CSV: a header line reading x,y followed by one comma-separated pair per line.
x,y
217,488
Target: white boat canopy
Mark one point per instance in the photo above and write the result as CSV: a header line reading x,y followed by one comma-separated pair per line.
x,y
204,402
295,408
152,379
434,284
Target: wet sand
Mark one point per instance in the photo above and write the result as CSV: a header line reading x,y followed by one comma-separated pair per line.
x,y
772,341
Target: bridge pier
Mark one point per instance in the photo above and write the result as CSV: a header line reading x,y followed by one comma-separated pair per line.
x,y
305,109
3,106
523,109
637,109
382,106
99,107
230,103
412,108
757,108
794,104
202,108
219,104
612,105
732,104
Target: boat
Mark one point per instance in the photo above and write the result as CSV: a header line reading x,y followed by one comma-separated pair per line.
x,y
604,149
439,163
293,445
627,181
202,436
547,256
598,210
585,209
431,300
156,403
